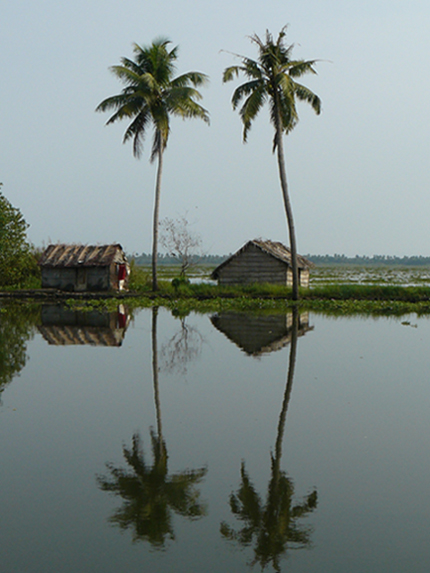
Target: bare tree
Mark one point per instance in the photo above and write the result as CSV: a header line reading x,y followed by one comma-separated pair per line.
x,y
180,242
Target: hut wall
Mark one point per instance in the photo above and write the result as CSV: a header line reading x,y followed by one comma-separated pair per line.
x,y
76,279
60,278
251,266
98,278
304,277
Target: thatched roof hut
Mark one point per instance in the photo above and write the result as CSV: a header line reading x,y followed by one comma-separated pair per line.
x,y
84,267
263,262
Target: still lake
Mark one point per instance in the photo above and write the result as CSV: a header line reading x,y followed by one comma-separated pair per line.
x,y
199,443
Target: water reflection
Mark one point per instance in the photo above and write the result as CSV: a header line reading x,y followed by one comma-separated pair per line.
x,y
272,526
64,326
258,334
16,328
150,495
182,348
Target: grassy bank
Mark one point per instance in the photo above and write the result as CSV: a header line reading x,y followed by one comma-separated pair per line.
x,y
335,299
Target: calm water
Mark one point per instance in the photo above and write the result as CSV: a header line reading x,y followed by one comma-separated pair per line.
x,y
213,443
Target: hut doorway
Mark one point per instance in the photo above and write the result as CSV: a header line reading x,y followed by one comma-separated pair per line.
x,y
81,278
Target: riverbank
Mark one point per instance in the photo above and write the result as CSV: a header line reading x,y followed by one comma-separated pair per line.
x,y
331,299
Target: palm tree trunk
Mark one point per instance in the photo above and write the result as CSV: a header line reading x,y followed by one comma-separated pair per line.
x,y
288,209
155,223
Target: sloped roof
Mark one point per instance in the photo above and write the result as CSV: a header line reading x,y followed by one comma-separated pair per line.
x,y
272,248
81,255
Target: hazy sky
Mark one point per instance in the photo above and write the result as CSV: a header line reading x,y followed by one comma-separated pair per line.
x,y
359,173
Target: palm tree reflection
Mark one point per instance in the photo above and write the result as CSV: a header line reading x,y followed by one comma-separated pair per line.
x,y
150,495
272,526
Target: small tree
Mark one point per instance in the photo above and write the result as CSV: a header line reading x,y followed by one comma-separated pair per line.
x,y
16,259
180,242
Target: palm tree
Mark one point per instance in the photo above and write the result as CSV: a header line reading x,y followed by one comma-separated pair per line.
x,y
272,79
151,96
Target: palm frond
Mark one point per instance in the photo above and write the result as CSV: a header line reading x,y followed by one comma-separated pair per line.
x,y
299,68
244,90
136,131
231,72
193,78
305,94
250,109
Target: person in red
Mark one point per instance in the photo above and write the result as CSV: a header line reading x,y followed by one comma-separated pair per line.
x,y
122,275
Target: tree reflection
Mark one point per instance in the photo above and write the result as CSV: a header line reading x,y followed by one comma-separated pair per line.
x,y
16,328
272,526
150,495
182,348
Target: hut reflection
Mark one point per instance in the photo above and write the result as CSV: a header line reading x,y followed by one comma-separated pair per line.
x,y
271,526
150,494
62,326
258,334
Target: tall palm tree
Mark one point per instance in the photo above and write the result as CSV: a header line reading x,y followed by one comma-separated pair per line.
x,y
272,79
151,96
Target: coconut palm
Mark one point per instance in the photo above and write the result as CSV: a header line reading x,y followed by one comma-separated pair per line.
x,y
272,525
272,79
150,97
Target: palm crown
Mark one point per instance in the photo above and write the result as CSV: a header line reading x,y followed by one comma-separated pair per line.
x,y
272,79
151,94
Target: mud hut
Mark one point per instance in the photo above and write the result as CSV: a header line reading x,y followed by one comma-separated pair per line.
x,y
261,261
84,267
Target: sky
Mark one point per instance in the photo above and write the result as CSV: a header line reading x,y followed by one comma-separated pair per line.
x,y
358,174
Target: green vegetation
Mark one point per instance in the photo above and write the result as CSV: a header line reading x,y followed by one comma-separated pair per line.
x,y
18,265
151,96
272,79
183,297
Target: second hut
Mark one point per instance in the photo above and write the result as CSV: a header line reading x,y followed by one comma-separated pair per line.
x,y
261,261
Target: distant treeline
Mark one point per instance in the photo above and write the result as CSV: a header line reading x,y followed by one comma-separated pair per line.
x,y
376,260
145,259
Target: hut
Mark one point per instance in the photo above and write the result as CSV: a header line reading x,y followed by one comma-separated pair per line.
x,y
261,261
84,267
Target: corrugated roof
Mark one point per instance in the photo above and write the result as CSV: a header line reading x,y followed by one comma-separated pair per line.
x,y
273,248
80,255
